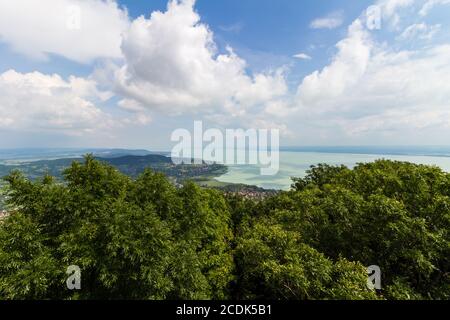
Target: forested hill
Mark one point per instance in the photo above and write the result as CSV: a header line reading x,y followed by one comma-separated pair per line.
x,y
131,165
137,160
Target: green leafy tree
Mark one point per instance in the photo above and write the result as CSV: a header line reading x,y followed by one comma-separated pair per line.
x,y
391,214
277,264
147,239
138,239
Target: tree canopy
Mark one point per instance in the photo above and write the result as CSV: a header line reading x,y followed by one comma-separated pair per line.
x,y
145,238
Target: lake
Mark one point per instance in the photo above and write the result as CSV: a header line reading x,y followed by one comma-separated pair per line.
x,y
295,164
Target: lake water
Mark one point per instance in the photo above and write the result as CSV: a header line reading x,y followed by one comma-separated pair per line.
x,y
295,164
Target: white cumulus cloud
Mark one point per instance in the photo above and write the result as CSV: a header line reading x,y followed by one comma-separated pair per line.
x,y
36,102
371,86
331,21
78,30
172,64
346,69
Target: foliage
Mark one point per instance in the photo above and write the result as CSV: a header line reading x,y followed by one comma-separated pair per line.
x,y
148,239
391,214
276,264
140,239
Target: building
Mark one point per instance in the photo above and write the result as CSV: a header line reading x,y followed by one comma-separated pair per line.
x,y
3,214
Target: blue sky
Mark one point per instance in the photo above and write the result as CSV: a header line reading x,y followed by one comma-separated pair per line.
x,y
265,33
97,73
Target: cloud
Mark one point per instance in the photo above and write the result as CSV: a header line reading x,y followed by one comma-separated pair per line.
x,y
75,29
404,90
346,69
172,65
169,63
331,21
233,28
420,31
302,56
140,113
374,87
389,10
39,102
430,4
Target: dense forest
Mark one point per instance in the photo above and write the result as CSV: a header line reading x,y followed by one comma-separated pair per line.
x,y
145,238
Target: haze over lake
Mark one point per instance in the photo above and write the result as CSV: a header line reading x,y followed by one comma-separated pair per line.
x,y
295,163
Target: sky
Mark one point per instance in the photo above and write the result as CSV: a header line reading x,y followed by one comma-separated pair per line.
x,y
128,73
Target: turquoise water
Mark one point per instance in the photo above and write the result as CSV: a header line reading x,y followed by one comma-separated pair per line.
x,y
295,164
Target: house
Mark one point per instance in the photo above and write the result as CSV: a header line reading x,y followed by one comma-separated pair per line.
x,y
3,214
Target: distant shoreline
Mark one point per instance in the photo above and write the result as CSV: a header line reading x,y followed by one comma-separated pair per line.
x,y
58,153
425,151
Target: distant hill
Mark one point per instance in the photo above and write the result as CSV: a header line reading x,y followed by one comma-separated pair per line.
x,y
31,154
131,165
136,160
